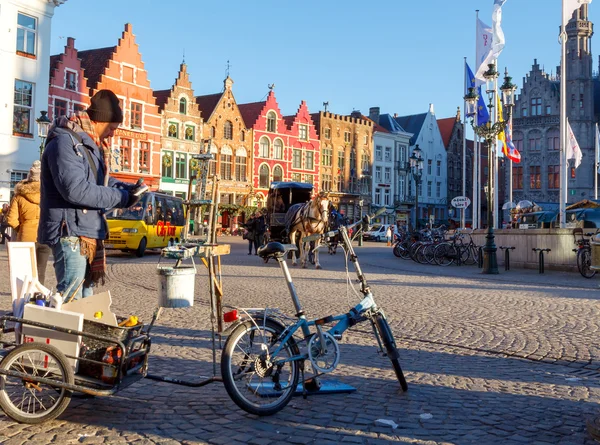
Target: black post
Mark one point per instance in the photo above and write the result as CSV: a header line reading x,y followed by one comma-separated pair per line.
x,y
417,183
490,262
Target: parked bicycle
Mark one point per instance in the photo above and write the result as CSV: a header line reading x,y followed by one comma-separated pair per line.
x,y
584,252
265,355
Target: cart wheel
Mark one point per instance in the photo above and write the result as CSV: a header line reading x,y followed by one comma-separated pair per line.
x,y
27,400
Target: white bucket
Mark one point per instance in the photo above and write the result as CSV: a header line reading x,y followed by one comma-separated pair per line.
x,y
176,286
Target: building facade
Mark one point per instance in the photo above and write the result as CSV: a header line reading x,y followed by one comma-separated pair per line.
x,y
181,135
135,147
346,160
536,123
25,29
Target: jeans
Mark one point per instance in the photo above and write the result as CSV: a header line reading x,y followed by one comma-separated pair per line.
x,y
42,252
70,266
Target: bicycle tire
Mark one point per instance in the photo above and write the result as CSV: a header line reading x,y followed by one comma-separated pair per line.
x,y
419,255
397,250
584,262
405,250
442,255
277,390
472,257
39,402
387,338
429,252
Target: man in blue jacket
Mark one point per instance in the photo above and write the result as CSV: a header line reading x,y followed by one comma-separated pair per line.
x,y
76,191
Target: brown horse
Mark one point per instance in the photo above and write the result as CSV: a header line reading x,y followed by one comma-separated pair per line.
x,y
307,219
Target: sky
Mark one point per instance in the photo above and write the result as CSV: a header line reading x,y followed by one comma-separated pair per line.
x,y
399,55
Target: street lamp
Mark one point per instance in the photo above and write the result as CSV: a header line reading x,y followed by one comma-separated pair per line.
x,y
508,98
490,132
43,124
416,169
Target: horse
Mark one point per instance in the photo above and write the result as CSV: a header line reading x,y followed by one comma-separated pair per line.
x,y
307,219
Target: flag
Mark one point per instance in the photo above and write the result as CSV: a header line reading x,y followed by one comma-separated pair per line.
x,y
573,150
483,114
497,33
511,151
569,7
502,148
483,50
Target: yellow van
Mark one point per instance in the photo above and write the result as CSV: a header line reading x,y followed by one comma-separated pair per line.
x,y
155,222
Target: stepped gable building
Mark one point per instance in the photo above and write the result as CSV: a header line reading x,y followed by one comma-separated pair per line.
x,y
181,134
230,142
346,160
536,122
136,144
270,144
433,198
68,92
305,148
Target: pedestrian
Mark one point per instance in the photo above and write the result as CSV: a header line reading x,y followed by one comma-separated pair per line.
x,y
24,217
388,235
260,227
4,224
76,191
249,234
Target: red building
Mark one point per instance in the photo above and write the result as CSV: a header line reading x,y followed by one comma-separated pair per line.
x,y
135,148
305,147
68,91
270,144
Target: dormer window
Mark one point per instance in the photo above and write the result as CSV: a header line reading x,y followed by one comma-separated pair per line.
x,y
71,81
271,121
183,105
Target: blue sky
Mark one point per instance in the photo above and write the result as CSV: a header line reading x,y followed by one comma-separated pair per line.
x,y
399,55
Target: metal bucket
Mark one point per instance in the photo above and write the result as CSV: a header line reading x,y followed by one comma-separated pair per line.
x,y
595,246
176,286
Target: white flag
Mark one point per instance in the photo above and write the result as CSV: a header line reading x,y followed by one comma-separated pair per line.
x,y
498,35
573,150
483,47
569,6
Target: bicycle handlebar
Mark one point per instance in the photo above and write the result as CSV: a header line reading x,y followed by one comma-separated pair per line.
x,y
365,219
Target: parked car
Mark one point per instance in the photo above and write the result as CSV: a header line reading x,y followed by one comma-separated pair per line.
x,y
376,232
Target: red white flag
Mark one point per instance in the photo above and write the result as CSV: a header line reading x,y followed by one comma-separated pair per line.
x,y
573,150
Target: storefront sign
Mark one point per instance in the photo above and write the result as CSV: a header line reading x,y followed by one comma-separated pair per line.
x,y
461,202
130,134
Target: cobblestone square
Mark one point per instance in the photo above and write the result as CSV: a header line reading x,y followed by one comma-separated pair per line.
x,y
507,359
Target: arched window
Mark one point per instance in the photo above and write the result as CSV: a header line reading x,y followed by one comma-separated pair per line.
x,y
271,121
263,177
277,173
264,147
240,164
228,130
278,149
213,131
183,105
226,162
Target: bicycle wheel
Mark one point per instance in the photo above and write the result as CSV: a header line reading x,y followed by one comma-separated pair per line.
x,y
397,249
253,378
472,257
429,252
584,261
419,255
444,254
405,250
26,399
387,338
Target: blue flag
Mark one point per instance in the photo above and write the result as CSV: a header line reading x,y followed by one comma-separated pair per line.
x,y
483,114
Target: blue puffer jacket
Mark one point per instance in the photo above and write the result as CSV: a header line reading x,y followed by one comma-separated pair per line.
x,y
72,204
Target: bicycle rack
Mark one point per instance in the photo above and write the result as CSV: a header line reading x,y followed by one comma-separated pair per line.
x,y
541,259
507,250
480,259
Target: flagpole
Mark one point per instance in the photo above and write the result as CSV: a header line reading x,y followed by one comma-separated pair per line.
x,y
563,116
476,154
464,152
596,166
496,154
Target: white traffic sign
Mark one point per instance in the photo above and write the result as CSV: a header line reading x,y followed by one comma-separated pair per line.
x,y
461,202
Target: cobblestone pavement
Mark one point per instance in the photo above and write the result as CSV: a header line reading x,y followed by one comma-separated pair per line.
x,y
506,359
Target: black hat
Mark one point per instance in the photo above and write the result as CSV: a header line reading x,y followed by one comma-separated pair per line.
x,y
105,107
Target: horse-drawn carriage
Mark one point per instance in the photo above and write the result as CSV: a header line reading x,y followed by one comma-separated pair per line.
x,y
283,195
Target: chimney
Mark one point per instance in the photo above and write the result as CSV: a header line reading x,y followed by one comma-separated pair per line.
x,y
374,114
431,110
395,115
70,42
356,113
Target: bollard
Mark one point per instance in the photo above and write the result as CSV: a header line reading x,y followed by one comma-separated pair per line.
x,y
507,250
541,259
480,259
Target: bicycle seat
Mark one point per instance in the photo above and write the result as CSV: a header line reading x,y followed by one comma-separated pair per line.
x,y
271,250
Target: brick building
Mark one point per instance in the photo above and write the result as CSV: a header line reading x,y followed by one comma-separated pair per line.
x,y
181,134
135,150
68,91
346,160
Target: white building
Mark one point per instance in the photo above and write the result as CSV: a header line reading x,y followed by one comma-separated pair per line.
x,y
433,195
24,78
390,147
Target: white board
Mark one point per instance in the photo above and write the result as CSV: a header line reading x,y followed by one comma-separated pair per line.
x,y
21,264
95,308
68,344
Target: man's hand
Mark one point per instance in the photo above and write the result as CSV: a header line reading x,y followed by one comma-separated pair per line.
x,y
135,194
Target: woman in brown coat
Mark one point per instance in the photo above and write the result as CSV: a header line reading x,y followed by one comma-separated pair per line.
x,y
24,216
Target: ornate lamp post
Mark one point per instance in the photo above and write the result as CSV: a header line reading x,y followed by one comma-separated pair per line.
x,y
490,132
43,124
508,98
416,169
